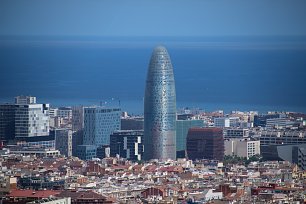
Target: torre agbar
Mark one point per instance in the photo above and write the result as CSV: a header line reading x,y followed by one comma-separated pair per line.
x,y
160,108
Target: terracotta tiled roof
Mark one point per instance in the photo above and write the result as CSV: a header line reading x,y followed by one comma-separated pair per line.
x,y
32,193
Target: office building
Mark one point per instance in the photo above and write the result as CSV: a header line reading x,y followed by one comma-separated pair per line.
x,y
103,151
21,100
127,144
99,124
182,127
63,141
64,112
53,112
87,152
277,123
132,123
7,122
227,122
205,143
294,153
241,147
77,139
277,137
77,118
230,133
261,120
31,120
160,108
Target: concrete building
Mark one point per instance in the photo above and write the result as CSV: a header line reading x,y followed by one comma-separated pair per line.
x,y
99,124
64,112
294,153
261,120
278,137
63,141
31,120
53,112
38,152
52,200
229,133
127,144
21,100
77,118
226,122
277,123
205,143
160,108
241,147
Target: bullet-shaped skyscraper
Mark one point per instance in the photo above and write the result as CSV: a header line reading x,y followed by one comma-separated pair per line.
x,y
160,108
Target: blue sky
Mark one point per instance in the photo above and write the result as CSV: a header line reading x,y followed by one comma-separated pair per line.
x,y
153,18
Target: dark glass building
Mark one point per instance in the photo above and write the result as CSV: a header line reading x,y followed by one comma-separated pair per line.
x,y
205,143
7,122
127,144
160,108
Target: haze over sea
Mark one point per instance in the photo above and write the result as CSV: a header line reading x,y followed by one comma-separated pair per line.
x,y
229,73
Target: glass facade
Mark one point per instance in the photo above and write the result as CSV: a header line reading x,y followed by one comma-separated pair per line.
x,y
160,108
182,127
99,124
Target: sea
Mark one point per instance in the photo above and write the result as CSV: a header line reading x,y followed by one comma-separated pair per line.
x,y
211,73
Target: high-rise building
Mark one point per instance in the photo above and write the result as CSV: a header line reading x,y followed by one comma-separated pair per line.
x,y
31,120
25,120
86,152
205,143
99,124
63,141
7,122
77,118
182,127
160,108
127,144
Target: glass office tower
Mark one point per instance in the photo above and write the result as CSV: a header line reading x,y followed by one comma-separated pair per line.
x,y
160,108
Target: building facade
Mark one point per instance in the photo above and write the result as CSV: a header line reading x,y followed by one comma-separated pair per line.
x,y
7,122
25,100
86,152
226,122
63,141
31,120
127,144
160,108
205,143
77,118
182,127
241,147
99,124
230,133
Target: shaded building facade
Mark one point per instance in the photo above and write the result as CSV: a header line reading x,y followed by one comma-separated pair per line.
x,y
99,124
7,122
205,143
160,108
127,144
